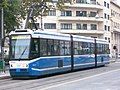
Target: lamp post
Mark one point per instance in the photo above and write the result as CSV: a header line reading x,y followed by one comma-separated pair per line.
x,y
2,41
2,34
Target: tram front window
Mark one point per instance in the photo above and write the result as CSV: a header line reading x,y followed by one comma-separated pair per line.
x,y
20,46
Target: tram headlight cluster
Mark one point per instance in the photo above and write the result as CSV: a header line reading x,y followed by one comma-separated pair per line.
x,y
24,65
19,65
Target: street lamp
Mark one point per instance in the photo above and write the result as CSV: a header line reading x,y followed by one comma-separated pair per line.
x,y
2,41
2,35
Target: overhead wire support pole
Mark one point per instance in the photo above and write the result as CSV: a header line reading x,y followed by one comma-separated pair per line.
x,y
2,38
2,34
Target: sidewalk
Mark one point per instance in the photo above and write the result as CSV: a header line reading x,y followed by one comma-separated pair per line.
x,y
6,74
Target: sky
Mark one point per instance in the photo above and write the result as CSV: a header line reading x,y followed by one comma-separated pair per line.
x,y
118,1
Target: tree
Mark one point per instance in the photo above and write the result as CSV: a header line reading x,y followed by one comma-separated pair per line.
x,y
11,14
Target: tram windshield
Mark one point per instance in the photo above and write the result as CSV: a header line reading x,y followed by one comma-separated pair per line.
x,y
20,46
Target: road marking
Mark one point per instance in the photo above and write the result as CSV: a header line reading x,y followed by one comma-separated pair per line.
x,y
53,86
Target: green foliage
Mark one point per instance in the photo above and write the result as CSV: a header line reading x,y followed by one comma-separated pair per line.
x,y
12,14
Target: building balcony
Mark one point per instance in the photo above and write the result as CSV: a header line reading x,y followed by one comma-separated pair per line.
x,y
72,18
96,32
116,30
90,5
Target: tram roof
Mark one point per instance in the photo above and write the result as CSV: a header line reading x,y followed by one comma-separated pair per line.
x,y
55,35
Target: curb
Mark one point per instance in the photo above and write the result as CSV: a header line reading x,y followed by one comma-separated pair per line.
x,y
112,61
4,77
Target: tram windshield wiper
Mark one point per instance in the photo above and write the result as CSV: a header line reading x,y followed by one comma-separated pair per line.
x,y
23,53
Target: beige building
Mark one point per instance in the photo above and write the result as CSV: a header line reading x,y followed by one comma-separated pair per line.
x,y
115,28
93,18
83,17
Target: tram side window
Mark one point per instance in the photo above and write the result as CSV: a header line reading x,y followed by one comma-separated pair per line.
x,y
35,48
67,48
92,48
50,47
76,48
62,47
102,48
99,48
107,51
85,47
56,47
43,47
80,51
89,48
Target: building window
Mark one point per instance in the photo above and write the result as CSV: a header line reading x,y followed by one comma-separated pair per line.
x,y
104,3
105,38
93,27
66,13
66,1
81,13
108,28
66,25
107,5
84,26
81,1
108,17
93,2
32,25
78,26
92,14
105,15
109,40
49,25
105,27
52,13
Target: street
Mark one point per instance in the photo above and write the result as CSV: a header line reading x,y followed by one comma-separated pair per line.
x,y
102,78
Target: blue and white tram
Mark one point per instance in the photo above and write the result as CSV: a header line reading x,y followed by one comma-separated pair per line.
x,y
36,53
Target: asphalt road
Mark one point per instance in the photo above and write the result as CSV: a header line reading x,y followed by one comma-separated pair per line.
x,y
103,78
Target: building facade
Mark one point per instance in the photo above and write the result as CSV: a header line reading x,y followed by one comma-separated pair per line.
x,y
92,18
115,28
83,17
